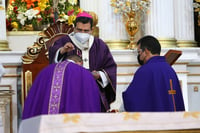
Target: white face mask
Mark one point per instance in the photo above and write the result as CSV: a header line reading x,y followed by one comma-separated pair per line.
x,y
82,37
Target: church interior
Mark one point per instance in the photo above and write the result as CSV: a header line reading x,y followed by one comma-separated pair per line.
x,y
23,53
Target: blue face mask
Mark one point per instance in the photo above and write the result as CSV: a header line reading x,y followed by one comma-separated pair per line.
x,y
82,37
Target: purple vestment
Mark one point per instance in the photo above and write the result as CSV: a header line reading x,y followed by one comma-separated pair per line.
x,y
100,59
62,88
155,87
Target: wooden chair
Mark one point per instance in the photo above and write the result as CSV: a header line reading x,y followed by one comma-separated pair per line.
x,y
36,57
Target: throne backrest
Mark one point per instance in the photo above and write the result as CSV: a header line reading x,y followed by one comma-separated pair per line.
x,y
36,56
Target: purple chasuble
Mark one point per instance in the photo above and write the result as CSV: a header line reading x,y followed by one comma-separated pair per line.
x,y
56,88
62,88
155,87
100,59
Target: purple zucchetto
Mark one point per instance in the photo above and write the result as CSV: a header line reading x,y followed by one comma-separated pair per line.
x,y
84,14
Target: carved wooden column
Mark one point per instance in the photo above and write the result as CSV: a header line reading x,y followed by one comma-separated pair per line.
x,y
3,38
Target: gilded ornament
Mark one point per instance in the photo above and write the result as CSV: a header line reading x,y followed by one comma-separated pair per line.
x,y
131,11
196,6
132,27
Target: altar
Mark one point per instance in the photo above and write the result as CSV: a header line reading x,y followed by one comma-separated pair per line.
x,y
124,122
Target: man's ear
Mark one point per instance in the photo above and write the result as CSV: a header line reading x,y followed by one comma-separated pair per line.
x,y
147,52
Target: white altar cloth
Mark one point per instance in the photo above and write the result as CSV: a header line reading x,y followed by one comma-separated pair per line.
x,y
111,122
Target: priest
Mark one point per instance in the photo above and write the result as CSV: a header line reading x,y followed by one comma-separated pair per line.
x,y
155,86
96,56
62,88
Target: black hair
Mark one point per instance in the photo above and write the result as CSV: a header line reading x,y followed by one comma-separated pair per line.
x,y
75,58
84,20
151,43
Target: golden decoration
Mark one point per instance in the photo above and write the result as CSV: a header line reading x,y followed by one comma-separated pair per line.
x,y
4,45
72,118
192,114
28,81
117,44
134,116
32,53
196,6
132,11
132,27
95,31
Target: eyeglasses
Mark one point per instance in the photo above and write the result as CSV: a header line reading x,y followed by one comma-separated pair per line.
x,y
82,30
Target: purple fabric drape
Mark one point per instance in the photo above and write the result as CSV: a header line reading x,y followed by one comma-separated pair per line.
x,y
79,92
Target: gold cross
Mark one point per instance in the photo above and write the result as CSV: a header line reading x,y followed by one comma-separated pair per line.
x,y
172,92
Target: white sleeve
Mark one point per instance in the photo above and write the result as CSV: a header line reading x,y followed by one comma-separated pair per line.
x,y
104,82
56,56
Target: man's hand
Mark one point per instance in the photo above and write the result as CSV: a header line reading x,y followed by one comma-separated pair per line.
x,y
67,48
96,74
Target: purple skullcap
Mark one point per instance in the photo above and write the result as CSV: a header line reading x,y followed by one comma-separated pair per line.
x,y
84,14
